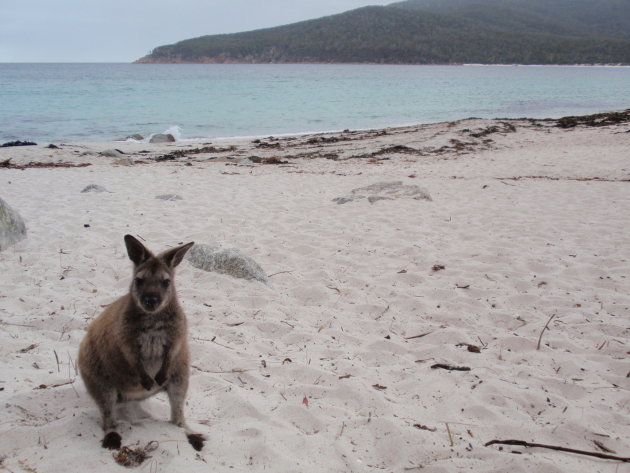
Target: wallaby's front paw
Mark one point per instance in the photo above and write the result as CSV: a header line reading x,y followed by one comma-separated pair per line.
x,y
160,378
146,382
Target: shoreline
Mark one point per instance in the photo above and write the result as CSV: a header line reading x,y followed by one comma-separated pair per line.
x,y
174,130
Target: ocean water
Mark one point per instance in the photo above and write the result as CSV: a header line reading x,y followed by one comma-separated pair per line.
x,y
105,102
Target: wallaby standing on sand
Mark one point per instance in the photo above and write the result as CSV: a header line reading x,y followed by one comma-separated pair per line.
x,y
138,345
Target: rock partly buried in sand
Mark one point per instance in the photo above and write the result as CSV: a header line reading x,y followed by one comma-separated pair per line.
x,y
348,198
162,138
225,261
94,188
385,191
126,161
169,197
111,153
12,227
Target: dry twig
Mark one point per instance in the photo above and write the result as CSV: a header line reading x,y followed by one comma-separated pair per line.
x,y
450,436
45,386
522,443
279,272
419,336
543,331
449,367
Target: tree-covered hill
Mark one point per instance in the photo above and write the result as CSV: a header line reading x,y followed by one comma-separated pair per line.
x,y
431,32
605,18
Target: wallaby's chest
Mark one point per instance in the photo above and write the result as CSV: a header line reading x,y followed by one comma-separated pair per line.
x,y
152,341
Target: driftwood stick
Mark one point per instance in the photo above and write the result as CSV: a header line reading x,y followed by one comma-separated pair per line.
x,y
44,386
419,336
522,443
543,331
450,436
449,367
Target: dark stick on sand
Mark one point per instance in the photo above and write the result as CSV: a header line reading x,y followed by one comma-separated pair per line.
x,y
522,443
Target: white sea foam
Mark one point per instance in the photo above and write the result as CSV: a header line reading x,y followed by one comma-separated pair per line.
x,y
175,131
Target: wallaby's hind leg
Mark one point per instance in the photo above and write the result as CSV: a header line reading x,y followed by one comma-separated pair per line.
x,y
176,391
106,401
112,440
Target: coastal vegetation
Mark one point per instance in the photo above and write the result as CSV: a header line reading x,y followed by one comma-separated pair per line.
x,y
431,32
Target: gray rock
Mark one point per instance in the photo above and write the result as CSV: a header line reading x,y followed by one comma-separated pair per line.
x,y
94,188
376,198
12,227
162,138
394,189
385,191
135,137
348,198
225,261
169,197
111,153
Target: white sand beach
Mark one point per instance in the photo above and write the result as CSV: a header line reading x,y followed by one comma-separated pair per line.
x,y
335,365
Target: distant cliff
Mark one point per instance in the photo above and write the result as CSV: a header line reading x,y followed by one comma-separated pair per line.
x,y
431,32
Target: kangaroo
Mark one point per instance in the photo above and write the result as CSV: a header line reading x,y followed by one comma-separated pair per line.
x,y
138,345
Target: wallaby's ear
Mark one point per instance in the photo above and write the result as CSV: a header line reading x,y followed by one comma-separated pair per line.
x,y
175,256
136,250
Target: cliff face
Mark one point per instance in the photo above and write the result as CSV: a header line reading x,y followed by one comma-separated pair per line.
x,y
426,32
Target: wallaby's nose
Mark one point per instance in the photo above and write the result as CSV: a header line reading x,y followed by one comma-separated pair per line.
x,y
151,302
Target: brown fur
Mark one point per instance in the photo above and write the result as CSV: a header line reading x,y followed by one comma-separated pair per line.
x,y
138,345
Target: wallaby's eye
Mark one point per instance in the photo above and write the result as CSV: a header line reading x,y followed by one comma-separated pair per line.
x,y
165,283
139,281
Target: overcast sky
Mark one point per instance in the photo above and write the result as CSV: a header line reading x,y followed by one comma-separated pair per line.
x,y
125,30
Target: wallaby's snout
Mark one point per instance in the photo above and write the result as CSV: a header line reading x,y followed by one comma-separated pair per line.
x,y
151,302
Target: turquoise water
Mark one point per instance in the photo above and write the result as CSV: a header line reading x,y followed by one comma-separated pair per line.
x,y
104,102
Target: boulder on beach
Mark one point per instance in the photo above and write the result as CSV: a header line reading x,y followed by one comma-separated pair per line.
x,y
134,137
12,227
162,138
385,191
225,261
